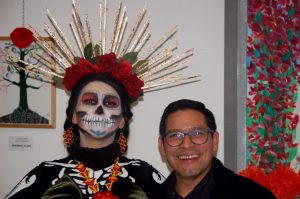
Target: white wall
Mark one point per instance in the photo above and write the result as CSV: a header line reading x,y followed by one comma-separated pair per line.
x,y
201,26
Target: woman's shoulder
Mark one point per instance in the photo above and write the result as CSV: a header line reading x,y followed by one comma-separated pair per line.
x,y
55,161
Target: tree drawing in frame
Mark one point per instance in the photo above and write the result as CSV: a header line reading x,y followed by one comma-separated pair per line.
x,y
28,99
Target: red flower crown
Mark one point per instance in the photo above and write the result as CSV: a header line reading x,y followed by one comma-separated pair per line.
x,y
119,68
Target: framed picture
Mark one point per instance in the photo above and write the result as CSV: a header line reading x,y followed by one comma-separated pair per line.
x,y
28,99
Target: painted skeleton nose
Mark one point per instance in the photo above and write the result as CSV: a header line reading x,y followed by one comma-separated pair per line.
x,y
99,110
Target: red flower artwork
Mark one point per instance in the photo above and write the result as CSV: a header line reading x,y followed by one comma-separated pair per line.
x,y
273,52
21,37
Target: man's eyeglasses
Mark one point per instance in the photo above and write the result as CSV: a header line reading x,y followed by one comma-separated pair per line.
x,y
197,136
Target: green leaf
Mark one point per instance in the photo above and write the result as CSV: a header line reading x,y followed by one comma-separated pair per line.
x,y
265,92
265,49
97,50
58,81
94,60
130,57
290,34
288,110
258,17
267,30
270,111
76,59
277,148
255,75
248,158
138,64
292,12
292,153
88,51
256,41
276,130
262,131
256,53
268,63
260,150
289,72
280,42
249,120
293,133
287,56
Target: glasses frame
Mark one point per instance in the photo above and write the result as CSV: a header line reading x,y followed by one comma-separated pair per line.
x,y
189,134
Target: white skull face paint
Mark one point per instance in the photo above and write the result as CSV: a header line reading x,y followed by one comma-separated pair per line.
x,y
98,110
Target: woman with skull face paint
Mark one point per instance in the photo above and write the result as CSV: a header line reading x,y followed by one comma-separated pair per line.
x,y
96,129
103,87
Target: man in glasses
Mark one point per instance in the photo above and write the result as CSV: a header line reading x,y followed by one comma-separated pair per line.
x,y
189,140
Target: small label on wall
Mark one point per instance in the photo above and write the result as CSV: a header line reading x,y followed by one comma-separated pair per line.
x,y
18,143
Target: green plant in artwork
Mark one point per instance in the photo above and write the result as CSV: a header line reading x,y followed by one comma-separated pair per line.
x,y
22,47
273,69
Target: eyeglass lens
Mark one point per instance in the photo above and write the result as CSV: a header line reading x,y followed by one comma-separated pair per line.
x,y
197,136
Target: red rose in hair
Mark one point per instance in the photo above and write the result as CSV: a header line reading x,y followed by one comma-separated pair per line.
x,y
21,37
125,68
133,85
107,61
76,71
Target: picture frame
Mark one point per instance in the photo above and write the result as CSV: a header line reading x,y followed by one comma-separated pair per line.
x,y
29,103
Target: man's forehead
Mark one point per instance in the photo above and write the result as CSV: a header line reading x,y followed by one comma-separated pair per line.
x,y
186,119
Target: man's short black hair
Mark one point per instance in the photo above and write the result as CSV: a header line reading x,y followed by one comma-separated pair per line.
x,y
184,104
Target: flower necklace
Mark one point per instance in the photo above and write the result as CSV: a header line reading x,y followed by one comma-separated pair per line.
x,y
93,185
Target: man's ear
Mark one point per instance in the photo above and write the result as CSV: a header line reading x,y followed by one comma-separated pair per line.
x,y
215,143
161,146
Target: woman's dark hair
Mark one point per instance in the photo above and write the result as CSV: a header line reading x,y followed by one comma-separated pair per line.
x,y
102,77
184,104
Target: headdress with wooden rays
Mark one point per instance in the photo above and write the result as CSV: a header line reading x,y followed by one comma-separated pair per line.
x,y
157,67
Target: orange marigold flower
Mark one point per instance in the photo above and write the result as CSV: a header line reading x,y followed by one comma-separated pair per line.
x,y
257,174
284,182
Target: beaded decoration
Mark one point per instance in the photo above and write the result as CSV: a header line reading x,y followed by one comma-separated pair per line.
x,y
123,143
68,137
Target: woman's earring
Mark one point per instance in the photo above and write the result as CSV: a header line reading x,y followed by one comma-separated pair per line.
x,y
68,137
122,142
